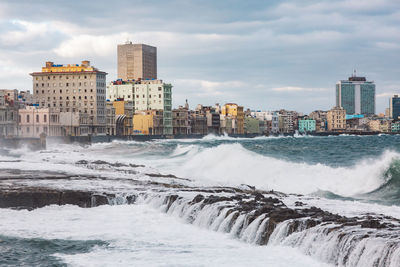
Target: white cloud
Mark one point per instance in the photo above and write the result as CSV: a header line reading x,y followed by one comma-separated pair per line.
x,y
89,45
387,94
207,88
298,89
29,31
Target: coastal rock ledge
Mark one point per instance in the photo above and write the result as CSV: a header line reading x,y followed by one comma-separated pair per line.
x,y
253,216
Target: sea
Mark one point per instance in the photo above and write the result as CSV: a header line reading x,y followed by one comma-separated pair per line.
x,y
346,175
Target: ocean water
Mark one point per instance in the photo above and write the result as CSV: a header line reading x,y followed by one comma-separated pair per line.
x,y
348,175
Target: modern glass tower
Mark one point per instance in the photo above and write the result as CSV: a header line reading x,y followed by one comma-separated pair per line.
x,y
394,107
356,95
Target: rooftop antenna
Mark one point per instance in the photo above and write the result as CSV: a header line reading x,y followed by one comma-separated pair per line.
x,y
355,73
127,41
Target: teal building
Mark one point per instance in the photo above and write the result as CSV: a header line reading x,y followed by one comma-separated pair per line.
x,y
356,95
307,126
396,127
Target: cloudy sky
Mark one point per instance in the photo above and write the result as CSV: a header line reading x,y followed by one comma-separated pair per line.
x,y
261,54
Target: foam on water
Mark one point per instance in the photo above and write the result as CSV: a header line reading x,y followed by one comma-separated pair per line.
x,y
224,164
231,164
138,235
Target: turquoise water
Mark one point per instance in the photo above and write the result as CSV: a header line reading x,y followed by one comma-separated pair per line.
x,y
38,252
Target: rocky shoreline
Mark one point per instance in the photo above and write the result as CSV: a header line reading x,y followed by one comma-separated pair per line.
x,y
245,213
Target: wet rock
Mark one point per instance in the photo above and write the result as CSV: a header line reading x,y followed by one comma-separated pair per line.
x,y
169,200
135,166
100,162
37,198
372,223
299,204
214,199
197,199
82,162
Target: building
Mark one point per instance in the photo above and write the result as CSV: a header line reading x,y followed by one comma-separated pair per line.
x,y
137,61
145,95
123,117
251,125
8,113
235,112
148,122
394,107
198,123
10,94
34,121
396,127
25,98
357,122
336,118
180,121
110,119
286,121
320,118
73,123
73,88
380,125
307,126
356,95
275,123
262,115
120,90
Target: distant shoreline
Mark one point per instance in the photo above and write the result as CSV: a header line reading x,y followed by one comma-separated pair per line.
x,y
37,143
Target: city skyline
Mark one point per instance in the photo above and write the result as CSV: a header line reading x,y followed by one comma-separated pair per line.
x,y
256,56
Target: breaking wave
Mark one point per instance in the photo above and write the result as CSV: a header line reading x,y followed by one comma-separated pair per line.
x,y
232,164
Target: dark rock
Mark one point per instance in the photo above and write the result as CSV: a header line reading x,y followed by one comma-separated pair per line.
x,y
37,198
197,199
299,204
214,199
98,162
170,199
372,223
135,165
83,162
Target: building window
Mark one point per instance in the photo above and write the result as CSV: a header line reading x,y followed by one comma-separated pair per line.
x,y
37,118
45,118
27,118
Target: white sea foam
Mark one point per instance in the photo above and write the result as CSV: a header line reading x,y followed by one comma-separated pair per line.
x,y
226,164
141,236
232,164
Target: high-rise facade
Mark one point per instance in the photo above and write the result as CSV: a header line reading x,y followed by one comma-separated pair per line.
x,y
356,95
137,61
73,88
394,107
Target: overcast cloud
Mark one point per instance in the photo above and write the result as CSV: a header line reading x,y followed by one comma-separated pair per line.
x,y
261,54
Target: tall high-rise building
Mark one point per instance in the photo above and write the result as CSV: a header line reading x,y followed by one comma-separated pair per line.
x,y
356,95
137,61
394,107
73,88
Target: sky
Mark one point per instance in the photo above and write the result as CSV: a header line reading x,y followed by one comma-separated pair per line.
x,y
264,55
